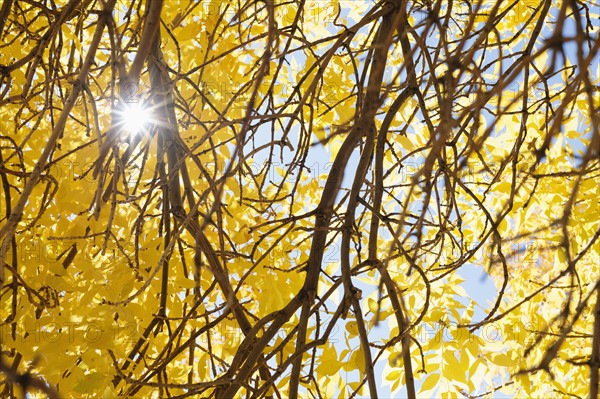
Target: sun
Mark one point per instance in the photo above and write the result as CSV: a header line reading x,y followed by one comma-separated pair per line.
x,y
135,117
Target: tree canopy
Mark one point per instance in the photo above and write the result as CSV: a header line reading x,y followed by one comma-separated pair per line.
x,y
282,199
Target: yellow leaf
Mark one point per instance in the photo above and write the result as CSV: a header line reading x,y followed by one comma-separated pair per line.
x,y
352,328
504,187
330,363
502,359
406,143
430,382
373,305
393,375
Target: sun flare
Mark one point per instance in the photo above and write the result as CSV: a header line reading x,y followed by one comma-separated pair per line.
x,y
135,117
